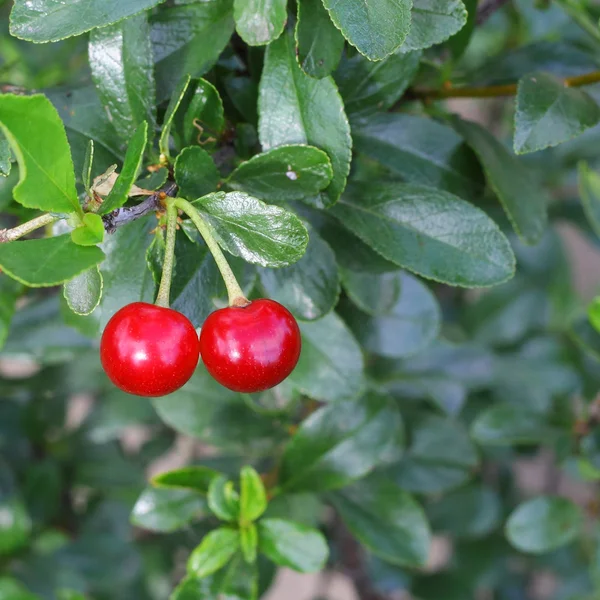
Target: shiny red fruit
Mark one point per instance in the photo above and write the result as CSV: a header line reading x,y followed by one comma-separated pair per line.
x,y
148,350
253,348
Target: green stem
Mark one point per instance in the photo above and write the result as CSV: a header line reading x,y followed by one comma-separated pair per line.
x,y
10,235
234,291
162,299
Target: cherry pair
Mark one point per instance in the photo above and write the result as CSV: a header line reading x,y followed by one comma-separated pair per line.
x,y
148,350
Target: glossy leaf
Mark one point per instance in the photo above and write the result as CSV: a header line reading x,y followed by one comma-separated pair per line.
x,y
428,231
122,68
196,173
374,294
284,173
293,545
131,168
507,424
510,181
253,496
544,524
5,156
339,443
188,39
308,288
320,44
413,323
368,87
84,292
38,140
172,107
376,29
296,109
214,552
259,22
548,113
47,261
331,365
386,519
257,232
196,478
167,510
421,151
204,118
433,22
52,20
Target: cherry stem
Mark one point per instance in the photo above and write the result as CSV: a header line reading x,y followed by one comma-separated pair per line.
x,y
11,235
162,299
234,291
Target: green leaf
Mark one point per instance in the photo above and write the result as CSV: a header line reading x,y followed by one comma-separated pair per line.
x,y
373,293
249,542
544,524
441,457
589,191
206,111
122,68
253,496
257,232
283,173
308,288
84,292
412,324
174,103
52,20
11,589
339,443
259,22
593,313
48,261
376,28
131,168
126,277
188,39
296,109
428,231
293,545
167,510
237,581
433,22
223,500
196,173
510,180
586,336
15,526
90,232
5,156
37,137
320,44
471,512
369,87
459,42
508,425
196,478
421,150
549,113
331,365
386,519
214,552
10,291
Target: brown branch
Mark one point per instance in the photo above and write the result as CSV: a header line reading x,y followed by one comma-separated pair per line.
x,y
487,9
494,91
122,216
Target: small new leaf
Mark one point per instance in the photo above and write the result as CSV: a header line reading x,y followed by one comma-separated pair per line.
x,y
196,478
249,542
90,232
253,496
223,500
214,552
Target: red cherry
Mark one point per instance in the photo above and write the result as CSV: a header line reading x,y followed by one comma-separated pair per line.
x,y
253,348
148,350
